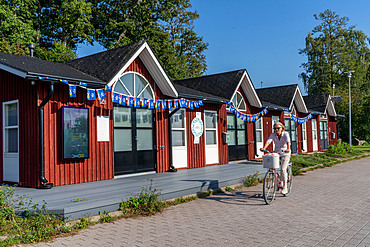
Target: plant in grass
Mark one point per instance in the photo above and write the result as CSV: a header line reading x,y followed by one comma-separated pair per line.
x,y
105,217
251,180
82,224
229,189
147,203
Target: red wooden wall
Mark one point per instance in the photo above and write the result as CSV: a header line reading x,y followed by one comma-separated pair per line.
x,y
99,165
17,88
332,125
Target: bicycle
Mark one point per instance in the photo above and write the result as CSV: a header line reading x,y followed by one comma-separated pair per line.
x,y
272,181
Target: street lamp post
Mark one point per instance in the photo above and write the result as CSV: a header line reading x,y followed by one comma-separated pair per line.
x,y
349,106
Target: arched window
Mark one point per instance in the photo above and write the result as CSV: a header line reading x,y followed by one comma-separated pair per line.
x,y
134,85
238,102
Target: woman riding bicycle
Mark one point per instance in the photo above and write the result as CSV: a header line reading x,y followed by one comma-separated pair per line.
x,y
282,146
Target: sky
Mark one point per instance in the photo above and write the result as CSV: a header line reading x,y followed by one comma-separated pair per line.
x,y
263,37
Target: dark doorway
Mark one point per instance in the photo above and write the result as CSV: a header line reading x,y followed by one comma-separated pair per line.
x,y
238,138
324,135
134,138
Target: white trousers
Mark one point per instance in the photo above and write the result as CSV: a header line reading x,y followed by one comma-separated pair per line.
x,y
284,161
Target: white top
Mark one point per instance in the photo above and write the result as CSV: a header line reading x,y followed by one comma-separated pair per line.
x,y
280,145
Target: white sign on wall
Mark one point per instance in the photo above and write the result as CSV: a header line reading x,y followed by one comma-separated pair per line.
x,y
197,128
102,128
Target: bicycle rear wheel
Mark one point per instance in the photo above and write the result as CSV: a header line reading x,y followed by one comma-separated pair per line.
x,y
290,179
269,187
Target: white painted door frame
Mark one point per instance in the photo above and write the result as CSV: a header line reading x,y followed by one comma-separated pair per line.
x,y
179,152
314,135
10,157
211,150
259,137
304,137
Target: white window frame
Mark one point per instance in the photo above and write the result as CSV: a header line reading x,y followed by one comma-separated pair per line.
x,y
130,93
181,129
10,127
238,103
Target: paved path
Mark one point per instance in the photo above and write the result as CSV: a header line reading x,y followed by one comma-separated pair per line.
x,y
327,207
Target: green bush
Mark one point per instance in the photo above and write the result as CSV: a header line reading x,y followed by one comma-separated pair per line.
x,y
147,203
251,180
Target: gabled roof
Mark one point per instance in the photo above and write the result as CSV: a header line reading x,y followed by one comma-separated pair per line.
x,y
31,67
282,97
109,65
185,92
320,103
223,85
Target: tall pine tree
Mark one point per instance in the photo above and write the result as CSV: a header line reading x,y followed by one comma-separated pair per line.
x,y
332,48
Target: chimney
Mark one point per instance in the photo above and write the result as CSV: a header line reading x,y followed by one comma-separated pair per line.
x,y
32,47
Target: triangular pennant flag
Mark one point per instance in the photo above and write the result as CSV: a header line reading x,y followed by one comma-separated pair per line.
x,y
137,102
101,94
107,88
196,104
130,101
123,100
169,102
158,104
164,104
115,97
176,103
64,81
82,84
151,104
200,102
91,94
144,102
72,91
191,104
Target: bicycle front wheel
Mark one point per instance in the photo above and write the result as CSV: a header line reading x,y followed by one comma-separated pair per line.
x,y
269,187
290,179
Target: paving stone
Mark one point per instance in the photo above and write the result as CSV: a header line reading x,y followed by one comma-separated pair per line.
x,y
316,213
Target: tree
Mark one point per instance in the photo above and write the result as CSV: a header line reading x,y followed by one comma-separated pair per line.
x,y
333,48
167,25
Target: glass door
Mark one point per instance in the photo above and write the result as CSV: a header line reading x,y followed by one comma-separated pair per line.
x,y
238,138
290,127
324,134
133,140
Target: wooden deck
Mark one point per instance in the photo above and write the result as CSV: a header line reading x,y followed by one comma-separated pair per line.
x,y
88,199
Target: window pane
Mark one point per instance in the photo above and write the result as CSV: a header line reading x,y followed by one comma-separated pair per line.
x,y
242,105
293,125
11,140
11,118
294,136
144,139
304,126
122,117
241,137
122,140
314,135
178,138
313,124
211,137
240,123
258,124
232,137
144,118
211,119
230,121
287,124
128,81
178,119
274,120
120,89
139,85
258,136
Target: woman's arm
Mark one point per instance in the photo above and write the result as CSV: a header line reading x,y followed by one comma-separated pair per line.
x,y
288,149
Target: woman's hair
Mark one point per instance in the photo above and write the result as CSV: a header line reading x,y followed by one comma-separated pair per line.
x,y
282,125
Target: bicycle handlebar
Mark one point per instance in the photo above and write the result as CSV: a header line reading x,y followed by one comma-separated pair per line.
x,y
265,150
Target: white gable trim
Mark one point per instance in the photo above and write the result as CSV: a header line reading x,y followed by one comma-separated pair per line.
x,y
330,109
298,99
14,71
154,67
246,84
